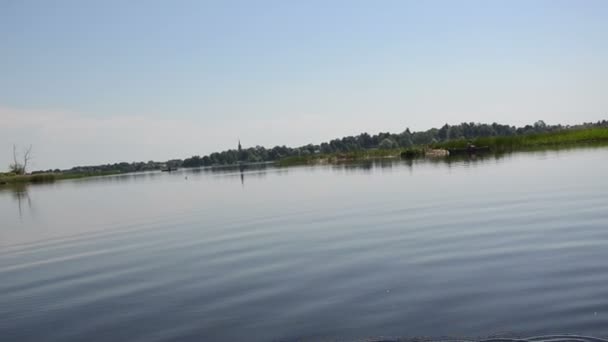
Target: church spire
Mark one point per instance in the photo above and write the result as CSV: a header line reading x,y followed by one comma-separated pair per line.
x,y
240,148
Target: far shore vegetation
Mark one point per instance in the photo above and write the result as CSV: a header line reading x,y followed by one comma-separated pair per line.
x,y
496,144
47,177
434,142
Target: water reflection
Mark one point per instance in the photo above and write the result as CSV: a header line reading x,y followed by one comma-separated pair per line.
x,y
121,178
411,256
240,171
19,192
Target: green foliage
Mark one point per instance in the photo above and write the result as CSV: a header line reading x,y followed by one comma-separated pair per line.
x,y
301,160
36,178
511,143
364,143
386,144
43,177
496,144
411,153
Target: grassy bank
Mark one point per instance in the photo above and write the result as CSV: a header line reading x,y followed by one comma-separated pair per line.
x,y
522,142
496,144
8,178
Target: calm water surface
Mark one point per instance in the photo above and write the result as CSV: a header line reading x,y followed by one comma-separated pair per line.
x,y
471,248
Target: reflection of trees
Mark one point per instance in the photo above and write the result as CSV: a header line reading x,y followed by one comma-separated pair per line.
x,y
370,165
238,171
241,169
261,167
410,165
19,192
365,166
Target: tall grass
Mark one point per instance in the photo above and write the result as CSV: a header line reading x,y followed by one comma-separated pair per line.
x,y
512,143
9,178
35,178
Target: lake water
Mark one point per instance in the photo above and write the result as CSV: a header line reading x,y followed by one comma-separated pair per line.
x,y
512,245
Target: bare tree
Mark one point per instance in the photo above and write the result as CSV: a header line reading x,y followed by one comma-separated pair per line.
x,y
27,155
16,166
15,163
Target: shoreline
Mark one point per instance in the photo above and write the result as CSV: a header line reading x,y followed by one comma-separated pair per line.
x,y
491,145
495,145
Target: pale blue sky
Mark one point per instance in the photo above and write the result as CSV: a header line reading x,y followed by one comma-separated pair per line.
x,y
91,82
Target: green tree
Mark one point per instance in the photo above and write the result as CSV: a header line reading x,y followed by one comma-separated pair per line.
x,y
386,143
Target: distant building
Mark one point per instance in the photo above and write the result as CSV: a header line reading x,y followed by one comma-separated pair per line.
x,y
240,154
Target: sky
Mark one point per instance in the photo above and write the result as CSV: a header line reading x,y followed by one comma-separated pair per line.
x,y
91,82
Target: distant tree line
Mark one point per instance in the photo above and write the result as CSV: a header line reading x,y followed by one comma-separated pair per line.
x,y
116,167
363,141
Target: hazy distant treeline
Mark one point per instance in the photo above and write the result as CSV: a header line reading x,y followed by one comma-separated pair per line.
x,y
362,141
387,140
122,167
